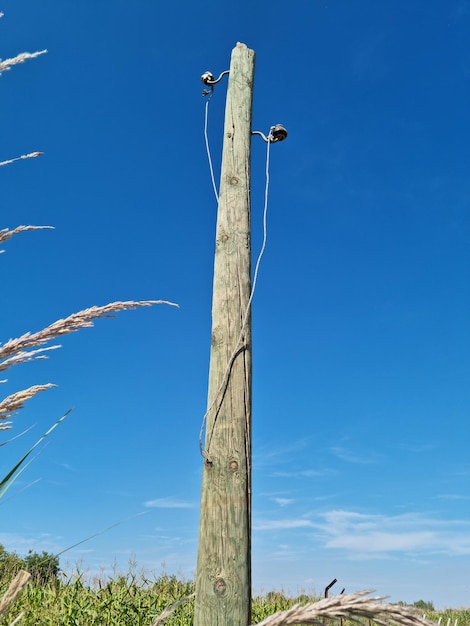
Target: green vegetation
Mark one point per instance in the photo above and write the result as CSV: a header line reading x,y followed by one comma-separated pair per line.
x,y
125,600
274,601
44,567
425,606
132,598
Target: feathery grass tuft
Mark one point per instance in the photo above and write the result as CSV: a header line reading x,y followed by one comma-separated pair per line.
x,y
17,350
31,346
14,590
352,606
166,613
31,155
6,233
10,405
20,58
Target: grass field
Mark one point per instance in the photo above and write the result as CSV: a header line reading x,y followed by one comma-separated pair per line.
x,y
138,599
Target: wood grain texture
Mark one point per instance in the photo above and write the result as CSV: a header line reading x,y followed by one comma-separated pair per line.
x,y
223,578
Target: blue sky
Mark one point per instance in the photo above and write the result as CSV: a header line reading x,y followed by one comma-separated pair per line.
x,y
360,318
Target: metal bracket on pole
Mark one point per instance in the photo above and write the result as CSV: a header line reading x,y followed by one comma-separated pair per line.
x,y
328,587
276,133
208,79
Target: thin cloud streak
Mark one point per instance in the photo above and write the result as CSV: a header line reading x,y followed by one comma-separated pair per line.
x,y
283,501
308,473
282,524
168,503
367,535
453,496
268,455
350,457
418,448
23,544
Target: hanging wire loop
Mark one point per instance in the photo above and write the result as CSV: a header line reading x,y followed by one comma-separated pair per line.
x,y
239,346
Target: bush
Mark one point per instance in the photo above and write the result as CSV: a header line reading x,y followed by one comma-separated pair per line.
x,y
10,564
44,567
425,606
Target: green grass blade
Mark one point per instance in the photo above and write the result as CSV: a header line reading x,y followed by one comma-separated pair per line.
x,y
19,468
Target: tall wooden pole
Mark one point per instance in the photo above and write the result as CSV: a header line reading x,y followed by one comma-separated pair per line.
x,y
223,577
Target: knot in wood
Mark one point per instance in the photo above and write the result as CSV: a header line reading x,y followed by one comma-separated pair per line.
x,y
233,466
234,180
217,338
220,586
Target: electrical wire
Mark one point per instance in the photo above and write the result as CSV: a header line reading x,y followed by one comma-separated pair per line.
x,y
206,119
226,376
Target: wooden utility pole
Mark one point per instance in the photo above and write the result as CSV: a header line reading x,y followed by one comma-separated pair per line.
x,y
223,577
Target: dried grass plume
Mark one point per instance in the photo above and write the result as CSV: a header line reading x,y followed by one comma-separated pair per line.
x,y
6,233
168,612
6,64
18,350
31,155
14,590
353,607
31,347
10,405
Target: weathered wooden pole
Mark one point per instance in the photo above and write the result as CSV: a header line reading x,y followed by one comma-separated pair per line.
x,y
223,577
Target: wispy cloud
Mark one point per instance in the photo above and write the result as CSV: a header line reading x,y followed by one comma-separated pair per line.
x,y
306,473
462,471
36,542
358,458
283,501
453,496
269,454
168,503
284,524
367,60
366,536
461,9
67,467
418,448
